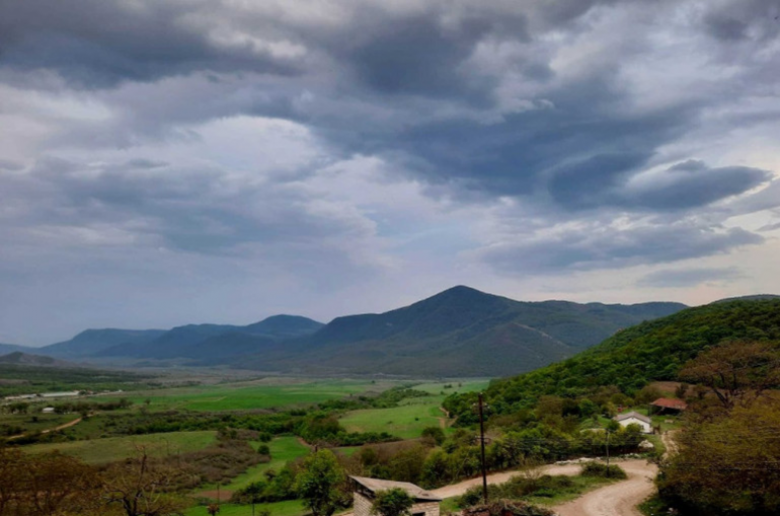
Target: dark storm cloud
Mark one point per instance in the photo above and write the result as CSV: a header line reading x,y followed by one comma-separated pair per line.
x,y
185,209
479,102
742,21
692,184
95,43
686,278
605,247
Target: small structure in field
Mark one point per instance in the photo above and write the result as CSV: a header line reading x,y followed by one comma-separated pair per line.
x,y
668,406
635,418
47,410
365,489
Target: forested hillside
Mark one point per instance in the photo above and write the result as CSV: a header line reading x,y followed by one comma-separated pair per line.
x,y
654,350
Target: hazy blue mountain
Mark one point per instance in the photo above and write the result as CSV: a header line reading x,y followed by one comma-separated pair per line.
x,y
29,359
217,341
283,326
90,342
10,348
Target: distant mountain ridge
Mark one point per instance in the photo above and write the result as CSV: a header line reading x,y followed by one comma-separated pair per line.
x,y
10,348
90,342
458,332
27,359
193,341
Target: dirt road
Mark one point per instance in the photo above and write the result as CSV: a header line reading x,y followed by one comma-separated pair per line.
x,y
56,428
669,442
499,478
618,499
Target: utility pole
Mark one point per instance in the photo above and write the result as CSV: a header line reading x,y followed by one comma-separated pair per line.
x,y
482,444
608,453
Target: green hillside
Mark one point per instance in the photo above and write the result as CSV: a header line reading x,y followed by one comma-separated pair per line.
x,y
458,332
633,357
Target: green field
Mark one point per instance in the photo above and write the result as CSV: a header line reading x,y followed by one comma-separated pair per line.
x,y
407,421
255,395
412,415
36,422
117,448
287,508
283,449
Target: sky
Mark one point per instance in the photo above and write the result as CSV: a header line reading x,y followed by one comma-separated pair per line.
x,y
166,162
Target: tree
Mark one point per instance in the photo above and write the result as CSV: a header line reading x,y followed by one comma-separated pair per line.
x,y
213,509
392,502
47,484
727,467
142,487
736,370
433,434
319,481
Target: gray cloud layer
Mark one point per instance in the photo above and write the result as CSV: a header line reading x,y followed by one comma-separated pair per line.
x,y
586,134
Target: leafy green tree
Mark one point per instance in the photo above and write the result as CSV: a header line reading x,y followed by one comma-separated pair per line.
x,y
433,433
319,481
392,502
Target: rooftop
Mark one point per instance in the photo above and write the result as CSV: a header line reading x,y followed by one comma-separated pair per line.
x,y
670,403
375,484
634,415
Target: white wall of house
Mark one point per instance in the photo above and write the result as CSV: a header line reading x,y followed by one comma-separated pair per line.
x,y
646,428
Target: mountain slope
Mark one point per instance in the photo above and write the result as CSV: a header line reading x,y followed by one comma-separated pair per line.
x,y
459,332
650,351
90,342
27,359
10,348
216,341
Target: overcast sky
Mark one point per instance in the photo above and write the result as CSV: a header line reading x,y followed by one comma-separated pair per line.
x,y
172,161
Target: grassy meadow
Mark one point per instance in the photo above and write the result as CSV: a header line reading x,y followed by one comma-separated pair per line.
x,y
283,450
413,415
260,394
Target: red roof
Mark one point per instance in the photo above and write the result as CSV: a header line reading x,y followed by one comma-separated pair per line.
x,y
670,404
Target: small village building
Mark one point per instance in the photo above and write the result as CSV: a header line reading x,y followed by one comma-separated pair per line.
x,y
668,406
365,489
635,418
47,410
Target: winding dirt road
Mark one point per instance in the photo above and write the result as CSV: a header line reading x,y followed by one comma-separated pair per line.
x,y
499,478
620,499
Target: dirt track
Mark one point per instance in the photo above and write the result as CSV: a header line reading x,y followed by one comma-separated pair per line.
x,y
618,499
499,478
55,429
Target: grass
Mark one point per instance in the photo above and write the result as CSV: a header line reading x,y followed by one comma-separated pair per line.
x,y
653,506
580,486
405,421
111,449
412,415
283,450
254,395
37,421
286,508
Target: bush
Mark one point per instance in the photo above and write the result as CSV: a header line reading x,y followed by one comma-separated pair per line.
x,y
597,469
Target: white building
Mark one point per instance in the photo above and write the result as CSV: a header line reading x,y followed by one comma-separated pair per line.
x,y
635,418
425,503
48,410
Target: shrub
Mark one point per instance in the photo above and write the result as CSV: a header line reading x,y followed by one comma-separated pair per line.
x,y
597,469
